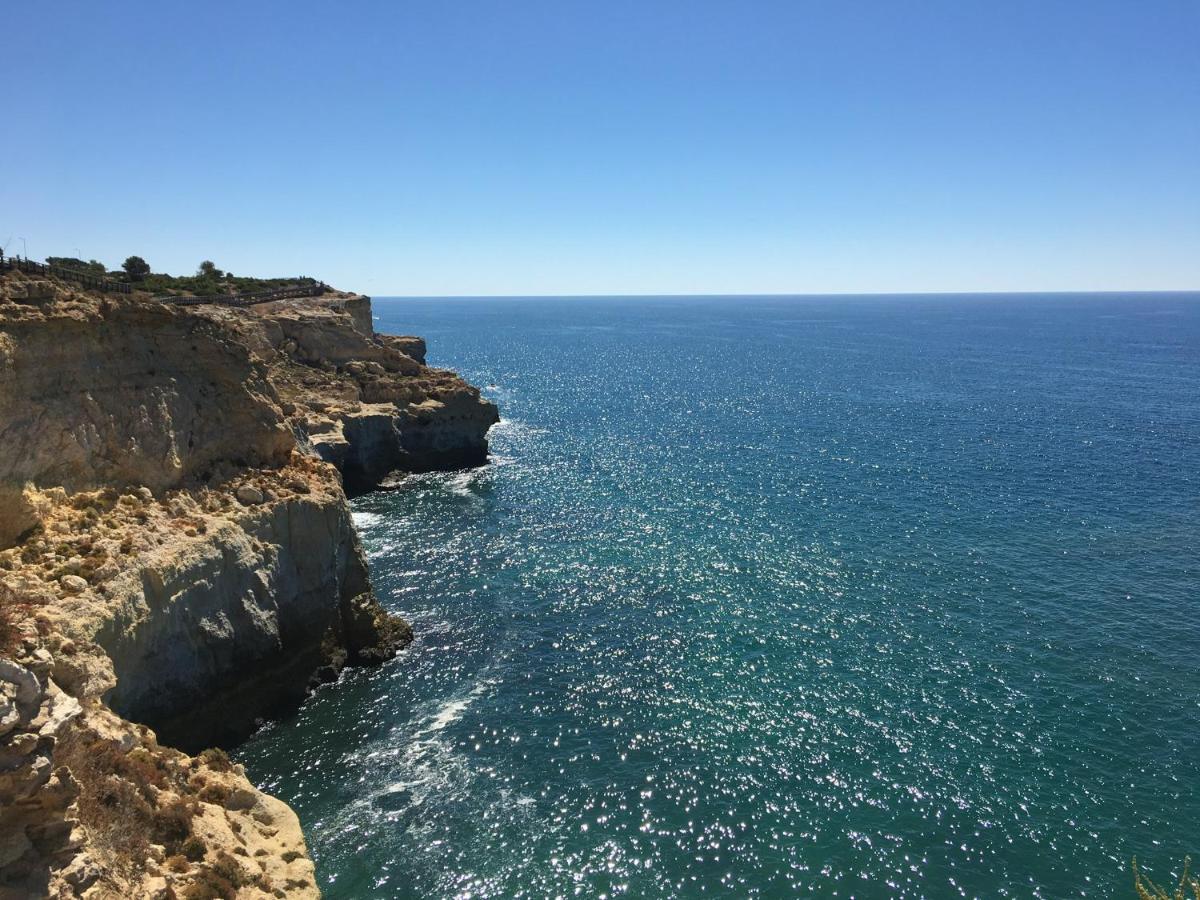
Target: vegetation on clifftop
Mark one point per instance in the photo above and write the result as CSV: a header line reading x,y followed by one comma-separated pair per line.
x,y
209,279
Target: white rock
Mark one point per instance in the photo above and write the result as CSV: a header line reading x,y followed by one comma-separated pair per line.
x,y
26,688
73,584
9,717
63,708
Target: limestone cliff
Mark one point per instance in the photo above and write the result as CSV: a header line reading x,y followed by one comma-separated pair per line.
x,y
362,401
177,561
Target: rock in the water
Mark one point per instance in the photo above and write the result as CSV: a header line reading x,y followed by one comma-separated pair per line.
x,y
372,633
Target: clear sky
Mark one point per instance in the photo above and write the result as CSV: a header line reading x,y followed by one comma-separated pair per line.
x,y
517,147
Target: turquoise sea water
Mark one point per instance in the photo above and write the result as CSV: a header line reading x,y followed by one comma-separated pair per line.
x,y
763,597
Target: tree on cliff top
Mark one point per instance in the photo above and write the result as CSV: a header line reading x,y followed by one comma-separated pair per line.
x,y
136,268
208,269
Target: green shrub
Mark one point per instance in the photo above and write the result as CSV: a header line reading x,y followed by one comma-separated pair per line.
x,y
193,849
216,759
92,267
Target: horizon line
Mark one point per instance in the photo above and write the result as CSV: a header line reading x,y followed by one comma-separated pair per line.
x,y
848,294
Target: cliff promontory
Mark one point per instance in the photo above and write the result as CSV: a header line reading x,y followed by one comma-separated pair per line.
x,y
177,562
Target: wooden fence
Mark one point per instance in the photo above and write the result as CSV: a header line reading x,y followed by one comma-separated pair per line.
x,y
307,287
87,279
310,288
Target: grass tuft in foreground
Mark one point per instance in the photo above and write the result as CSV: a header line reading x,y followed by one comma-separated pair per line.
x,y
1187,889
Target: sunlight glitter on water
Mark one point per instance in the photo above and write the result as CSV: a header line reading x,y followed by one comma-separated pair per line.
x,y
850,612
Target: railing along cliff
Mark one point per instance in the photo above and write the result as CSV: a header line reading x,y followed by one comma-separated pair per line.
x,y
311,288
87,279
308,287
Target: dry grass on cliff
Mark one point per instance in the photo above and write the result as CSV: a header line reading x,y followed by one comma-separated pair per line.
x,y
13,611
151,795
1188,887
119,803
221,880
9,634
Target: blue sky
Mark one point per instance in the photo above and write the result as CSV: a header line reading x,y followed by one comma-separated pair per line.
x,y
613,147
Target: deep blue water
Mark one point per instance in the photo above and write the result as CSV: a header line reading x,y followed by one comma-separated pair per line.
x,y
854,597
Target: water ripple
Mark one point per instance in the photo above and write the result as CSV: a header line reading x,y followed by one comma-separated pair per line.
x,y
777,597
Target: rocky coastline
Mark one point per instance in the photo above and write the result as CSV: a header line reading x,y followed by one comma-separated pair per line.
x,y
178,562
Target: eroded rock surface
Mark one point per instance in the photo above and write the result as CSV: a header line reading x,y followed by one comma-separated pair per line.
x,y
363,401
95,394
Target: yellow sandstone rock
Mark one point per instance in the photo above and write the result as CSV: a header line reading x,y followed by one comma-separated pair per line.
x,y
177,559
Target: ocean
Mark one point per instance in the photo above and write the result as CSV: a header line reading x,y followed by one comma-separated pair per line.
x,y
780,596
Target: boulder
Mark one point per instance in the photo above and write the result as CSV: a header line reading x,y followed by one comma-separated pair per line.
x,y
73,584
248,495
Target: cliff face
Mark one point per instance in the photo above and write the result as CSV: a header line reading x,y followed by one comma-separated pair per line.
x,y
362,401
209,633
176,552
95,394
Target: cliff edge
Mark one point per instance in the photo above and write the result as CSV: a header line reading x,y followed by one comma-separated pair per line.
x,y
177,562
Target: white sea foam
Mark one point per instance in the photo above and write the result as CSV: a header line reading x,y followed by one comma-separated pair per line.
x,y
449,714
426,765
418,765
460,483
513,427
452,710
365,519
